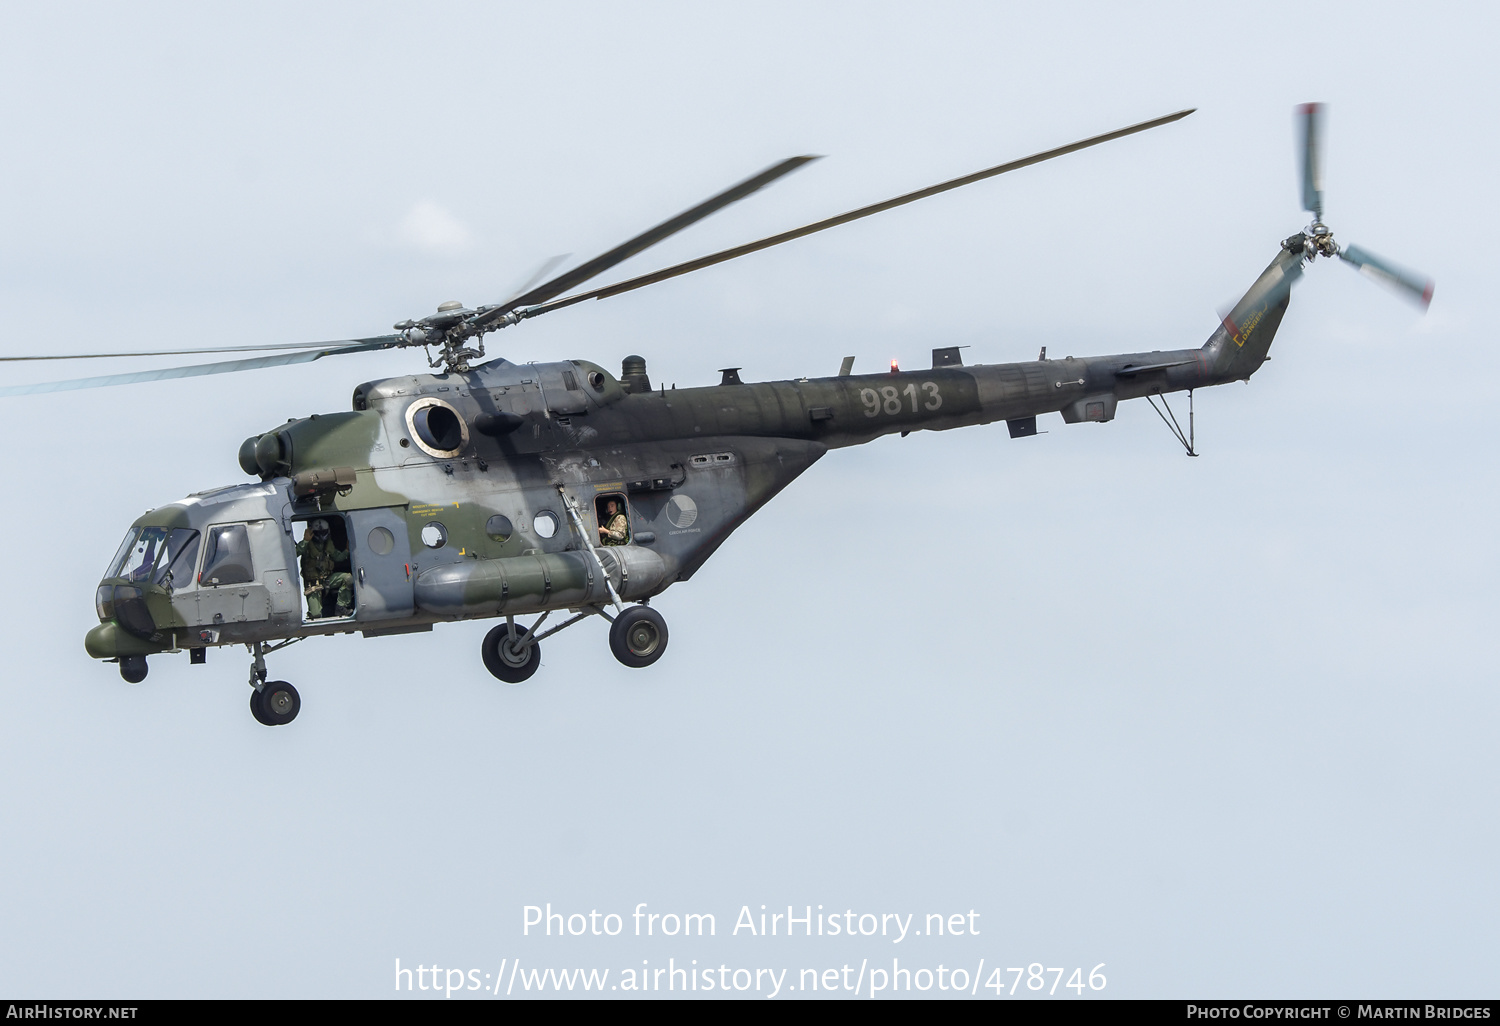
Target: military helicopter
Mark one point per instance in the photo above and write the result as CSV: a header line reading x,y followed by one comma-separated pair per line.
x,y
491,489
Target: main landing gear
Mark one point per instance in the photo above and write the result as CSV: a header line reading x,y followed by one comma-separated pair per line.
x,y
276,703
512,653
638,636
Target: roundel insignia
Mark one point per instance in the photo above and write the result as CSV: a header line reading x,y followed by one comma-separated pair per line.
x,y
682,511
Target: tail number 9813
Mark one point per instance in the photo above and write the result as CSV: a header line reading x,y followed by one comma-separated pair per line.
x,y
890,400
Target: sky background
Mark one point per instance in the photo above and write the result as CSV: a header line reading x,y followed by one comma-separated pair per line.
x,y
1225,725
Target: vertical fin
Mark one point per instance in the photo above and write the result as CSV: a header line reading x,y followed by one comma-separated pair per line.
x,y
1239,346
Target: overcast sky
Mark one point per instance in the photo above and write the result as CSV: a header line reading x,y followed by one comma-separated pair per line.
x,y
1225,725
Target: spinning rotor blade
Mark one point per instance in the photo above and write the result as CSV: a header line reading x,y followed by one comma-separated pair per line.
x,y
200,349
541,272
197,370
1408,283
1310,143
853,215
583,272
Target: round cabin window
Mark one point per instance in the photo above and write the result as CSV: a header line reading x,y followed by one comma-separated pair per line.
x,y
434,535
499,528
545,523
382,541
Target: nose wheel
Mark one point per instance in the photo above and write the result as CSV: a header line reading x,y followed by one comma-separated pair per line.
x,y
275,705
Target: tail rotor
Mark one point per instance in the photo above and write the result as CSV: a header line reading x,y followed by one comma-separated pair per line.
x,y
1317,240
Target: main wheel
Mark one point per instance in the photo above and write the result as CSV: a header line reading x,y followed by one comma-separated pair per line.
x,y
133,669
638,636
256,710
279,703
510,661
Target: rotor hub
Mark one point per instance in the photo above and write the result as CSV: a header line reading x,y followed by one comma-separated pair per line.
x,y
1320,240
1312,242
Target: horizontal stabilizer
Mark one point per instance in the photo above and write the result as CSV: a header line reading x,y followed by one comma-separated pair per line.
x,y
1132,369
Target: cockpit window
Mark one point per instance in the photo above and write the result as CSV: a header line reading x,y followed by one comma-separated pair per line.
x,y
125,548
181,554
150,552
139,558
228,558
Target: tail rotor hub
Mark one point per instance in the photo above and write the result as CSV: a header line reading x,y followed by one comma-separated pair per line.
x,y
1320,241
1317,238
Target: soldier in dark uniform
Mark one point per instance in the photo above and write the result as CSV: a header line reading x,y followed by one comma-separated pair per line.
x,y
322,582
614,528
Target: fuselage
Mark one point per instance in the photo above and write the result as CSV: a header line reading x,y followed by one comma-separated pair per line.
x,y
480,494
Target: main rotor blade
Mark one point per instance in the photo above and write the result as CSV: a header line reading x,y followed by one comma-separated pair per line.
x,y
1410,284
583,272
197,370
853,215
1310,145
550,265
203,349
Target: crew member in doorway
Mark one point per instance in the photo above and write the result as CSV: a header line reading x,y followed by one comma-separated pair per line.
x,y
614,529
322,582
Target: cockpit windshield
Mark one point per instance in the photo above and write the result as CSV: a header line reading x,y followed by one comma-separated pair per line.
x,y
150,553
125,549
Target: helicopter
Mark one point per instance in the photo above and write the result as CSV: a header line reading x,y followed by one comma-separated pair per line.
x,y
489,489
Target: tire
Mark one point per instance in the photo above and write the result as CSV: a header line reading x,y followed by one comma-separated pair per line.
x,y
279,703
256,710
133,669
501,659
638,637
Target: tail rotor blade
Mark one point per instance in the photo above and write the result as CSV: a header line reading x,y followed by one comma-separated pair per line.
x,y
1310,143
1414,286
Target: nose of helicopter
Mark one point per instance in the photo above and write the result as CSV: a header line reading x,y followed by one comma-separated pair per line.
x,y
111,641
127,630
126,633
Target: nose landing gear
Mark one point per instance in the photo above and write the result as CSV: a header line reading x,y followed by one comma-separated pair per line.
x,y
274,704
277,704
